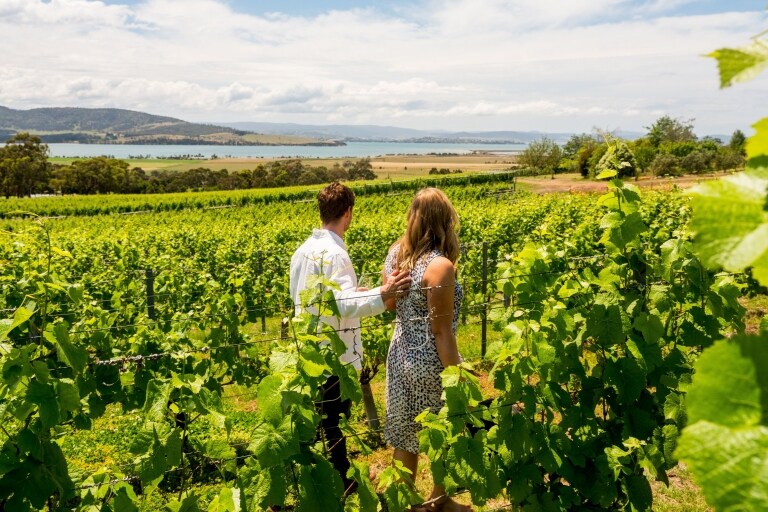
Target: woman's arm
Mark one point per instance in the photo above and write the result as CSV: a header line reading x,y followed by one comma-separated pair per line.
x,y
439,280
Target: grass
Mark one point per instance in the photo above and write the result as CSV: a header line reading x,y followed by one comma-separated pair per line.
x,y
757,308
386,167
682,494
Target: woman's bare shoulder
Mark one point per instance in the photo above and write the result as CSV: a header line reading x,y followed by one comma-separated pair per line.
x,y
439,269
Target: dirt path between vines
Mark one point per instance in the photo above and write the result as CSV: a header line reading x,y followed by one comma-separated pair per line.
x,y
573,183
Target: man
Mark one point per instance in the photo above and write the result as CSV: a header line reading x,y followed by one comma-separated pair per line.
x,y
325,252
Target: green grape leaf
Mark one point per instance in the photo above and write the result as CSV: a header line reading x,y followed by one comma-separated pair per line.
x,y
304,413
670,435
156,403
740,64
626,376
124,500
757,145
732,405
44,396
622,230
69,354
270,398
639,492
727,438
173,448
263,486
650,326
273,445
606,324
320,487
20,316
187,504
311,361
432,441
155,464
349,381
674,409
218,449
68,395
225,501
76,292
728,463
731,223
606,174
399,491
365,489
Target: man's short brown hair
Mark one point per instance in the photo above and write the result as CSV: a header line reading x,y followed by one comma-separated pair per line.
x,y
334,201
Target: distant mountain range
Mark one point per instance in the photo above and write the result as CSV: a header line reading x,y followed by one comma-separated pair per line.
x,y
377,133
119,126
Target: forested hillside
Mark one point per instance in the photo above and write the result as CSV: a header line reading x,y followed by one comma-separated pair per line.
x,y
119,126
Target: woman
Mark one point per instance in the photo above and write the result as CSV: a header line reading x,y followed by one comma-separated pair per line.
x,y
424,341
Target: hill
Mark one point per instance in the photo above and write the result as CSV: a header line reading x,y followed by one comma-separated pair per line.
x,y
119,126
376,133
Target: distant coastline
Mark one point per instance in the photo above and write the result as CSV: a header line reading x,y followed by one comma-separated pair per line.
x,y
350,149
172,141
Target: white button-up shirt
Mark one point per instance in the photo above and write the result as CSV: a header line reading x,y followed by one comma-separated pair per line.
x,y
326,252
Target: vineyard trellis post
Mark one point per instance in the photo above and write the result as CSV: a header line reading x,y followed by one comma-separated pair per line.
x,y
259,272
484,312
150,282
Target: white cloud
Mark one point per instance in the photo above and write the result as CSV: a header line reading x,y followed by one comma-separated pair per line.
x,y
77,12
498,64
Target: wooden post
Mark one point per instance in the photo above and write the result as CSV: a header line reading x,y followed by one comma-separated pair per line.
x,y
484,313
259,272
150,281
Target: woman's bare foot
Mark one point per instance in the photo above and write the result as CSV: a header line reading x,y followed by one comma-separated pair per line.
x,y
442,504
448,505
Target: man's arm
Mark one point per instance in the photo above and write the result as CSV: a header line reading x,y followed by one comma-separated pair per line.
x,y
355,304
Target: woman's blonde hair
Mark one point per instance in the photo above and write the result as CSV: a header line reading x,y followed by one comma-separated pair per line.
x,y
432,224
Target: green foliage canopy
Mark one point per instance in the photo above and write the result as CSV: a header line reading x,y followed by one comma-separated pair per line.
x,y
24,167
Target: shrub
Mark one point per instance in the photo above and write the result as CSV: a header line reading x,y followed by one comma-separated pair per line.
x,y
665,165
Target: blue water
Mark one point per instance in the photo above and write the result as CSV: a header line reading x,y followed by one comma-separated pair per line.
x,y
352,149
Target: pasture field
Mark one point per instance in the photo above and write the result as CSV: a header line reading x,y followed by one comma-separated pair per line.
x,y
386,167
144,364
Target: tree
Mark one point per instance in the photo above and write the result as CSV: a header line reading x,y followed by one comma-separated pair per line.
x,y
541,154
729,160
577,142
24,166
667,129
98,175
738,142
644,153
362,170
695,163
665,165
678,148
577,152
618,160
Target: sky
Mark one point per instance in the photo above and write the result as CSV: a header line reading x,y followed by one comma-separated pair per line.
x,y
475,65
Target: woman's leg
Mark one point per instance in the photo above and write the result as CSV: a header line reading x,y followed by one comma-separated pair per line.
x,y
409,460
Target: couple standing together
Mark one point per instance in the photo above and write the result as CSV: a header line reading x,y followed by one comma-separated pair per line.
x,y
419,282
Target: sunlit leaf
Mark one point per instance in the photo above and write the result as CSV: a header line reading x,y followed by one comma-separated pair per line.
x,y
731,223
740,64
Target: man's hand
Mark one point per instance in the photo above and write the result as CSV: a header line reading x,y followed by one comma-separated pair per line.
x,y
396,285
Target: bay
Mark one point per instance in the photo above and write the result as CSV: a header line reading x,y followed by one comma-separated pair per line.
x,y
351,150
